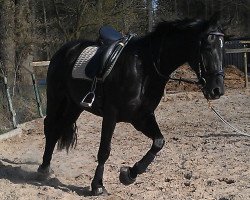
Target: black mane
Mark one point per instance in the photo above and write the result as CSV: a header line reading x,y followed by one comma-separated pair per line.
x,y
172,27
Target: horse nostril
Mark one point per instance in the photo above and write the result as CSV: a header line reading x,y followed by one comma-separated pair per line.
x,y
216,92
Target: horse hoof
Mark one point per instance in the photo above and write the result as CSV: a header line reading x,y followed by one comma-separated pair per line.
x,y
125,177
99,191
47,171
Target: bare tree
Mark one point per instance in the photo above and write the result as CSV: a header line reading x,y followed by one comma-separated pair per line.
x,y
248,17
150,15
8,35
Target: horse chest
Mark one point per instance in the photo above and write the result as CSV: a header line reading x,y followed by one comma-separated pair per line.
x,y
144,101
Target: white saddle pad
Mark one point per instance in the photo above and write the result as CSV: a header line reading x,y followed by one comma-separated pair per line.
x,y
82,61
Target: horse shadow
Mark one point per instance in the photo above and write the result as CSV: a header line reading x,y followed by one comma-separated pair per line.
x,y
17,175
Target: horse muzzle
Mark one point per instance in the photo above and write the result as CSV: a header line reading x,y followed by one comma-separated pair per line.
x,y
214,93
213,87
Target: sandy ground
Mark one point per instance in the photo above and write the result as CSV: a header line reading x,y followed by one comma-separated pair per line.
x,y
202,158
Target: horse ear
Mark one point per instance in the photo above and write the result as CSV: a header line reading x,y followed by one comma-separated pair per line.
x,y
216,21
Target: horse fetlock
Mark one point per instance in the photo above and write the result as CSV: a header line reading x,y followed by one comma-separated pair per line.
x,y
125,176
158,144
99,190
46,171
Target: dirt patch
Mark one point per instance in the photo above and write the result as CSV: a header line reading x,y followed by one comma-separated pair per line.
x,y
202,159
234,78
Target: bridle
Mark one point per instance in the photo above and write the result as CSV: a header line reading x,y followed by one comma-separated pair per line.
x,y
202,72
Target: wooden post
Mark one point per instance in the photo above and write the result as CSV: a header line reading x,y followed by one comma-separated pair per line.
x,y
38,99
12,111
246,75
37,94
39,63
36,91
245,51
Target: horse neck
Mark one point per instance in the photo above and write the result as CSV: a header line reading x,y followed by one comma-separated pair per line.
x,y
174,51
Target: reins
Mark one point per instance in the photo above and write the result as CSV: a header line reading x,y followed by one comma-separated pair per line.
x,y
212,108
226,122
184,80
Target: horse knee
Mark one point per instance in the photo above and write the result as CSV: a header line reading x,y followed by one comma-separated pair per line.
x,y
158,145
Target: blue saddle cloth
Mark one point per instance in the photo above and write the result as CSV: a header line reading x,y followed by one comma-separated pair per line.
x,y
108,35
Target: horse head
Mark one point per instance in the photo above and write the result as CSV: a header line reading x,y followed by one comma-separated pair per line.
x,y
208,63
198,42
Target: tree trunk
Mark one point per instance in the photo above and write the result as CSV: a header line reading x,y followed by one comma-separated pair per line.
x,y
99,7
150,15
46,30
8,37
248,19
175,8
23,43
124,17
188,8
206,9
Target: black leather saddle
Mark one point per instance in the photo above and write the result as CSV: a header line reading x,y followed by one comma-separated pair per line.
x,y
108,35
111,44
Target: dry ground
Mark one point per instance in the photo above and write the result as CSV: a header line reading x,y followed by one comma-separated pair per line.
x,y
202,158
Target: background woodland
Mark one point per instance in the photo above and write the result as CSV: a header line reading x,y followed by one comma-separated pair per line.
x,y
32,30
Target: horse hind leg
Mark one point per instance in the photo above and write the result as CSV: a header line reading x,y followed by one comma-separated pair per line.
x,y
50,142
61,129
54,110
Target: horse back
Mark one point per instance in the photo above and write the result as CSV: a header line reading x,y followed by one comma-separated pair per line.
x,y
63,60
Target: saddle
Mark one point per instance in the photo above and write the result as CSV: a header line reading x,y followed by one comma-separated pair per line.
x,y
96,62
108,35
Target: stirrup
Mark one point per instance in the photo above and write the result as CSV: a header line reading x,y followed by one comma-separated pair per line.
x,y
89,98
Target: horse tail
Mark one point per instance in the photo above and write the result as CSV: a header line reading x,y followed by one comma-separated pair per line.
x,y
67,129
67,138
62,112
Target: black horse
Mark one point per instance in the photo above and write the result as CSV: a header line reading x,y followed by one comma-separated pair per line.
x,y
133,89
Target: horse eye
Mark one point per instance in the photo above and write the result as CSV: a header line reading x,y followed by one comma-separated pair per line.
x,y
211,38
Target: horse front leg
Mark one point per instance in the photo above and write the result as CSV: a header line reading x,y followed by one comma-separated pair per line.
x,y
108,126
149,127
